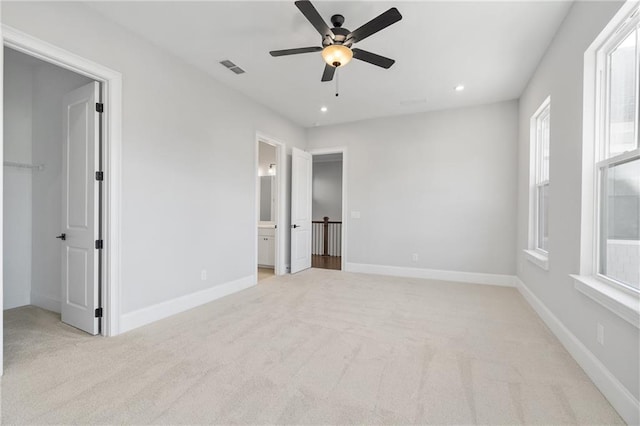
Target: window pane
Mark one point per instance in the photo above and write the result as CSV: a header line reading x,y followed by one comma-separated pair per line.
x,y
620,223
623,97
543,214
544,147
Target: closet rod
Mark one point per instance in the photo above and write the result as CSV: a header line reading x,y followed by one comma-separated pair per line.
x,y
38,167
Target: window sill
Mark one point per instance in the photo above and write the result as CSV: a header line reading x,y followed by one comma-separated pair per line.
x,y
537,258
620,302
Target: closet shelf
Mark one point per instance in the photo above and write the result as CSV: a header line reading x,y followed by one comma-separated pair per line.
x,y
37,167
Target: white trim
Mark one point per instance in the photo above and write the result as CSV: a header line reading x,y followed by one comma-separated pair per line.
x,y
590,128
46,302
280,267
112,145
171,307
619,159
433,274
620,302
624,242
619,396
1,200
340,150
537,258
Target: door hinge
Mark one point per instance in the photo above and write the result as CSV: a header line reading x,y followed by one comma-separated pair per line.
x,y
98,312
99,107
100,176
99,244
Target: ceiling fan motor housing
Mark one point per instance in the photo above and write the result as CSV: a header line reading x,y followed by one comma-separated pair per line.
x,y
341,36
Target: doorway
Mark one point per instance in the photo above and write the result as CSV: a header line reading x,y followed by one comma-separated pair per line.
x,y
328,246
111,132
269,193
51,195
326,189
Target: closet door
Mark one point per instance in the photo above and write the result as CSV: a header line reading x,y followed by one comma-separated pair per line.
x,y
80,209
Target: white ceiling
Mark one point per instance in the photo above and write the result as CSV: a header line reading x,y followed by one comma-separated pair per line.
x,y
490,47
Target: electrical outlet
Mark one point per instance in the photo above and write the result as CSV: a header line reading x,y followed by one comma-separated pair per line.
x,y
414,257
203,275
600,334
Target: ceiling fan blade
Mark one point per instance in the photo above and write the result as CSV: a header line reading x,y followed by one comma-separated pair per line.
x,y
314,17
328,73
372,58
295,51
381,22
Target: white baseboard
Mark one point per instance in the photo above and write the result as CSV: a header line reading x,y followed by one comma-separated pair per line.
x,y
166,309
46,302
622,400
433,274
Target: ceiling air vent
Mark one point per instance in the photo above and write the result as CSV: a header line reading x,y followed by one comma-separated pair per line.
x,y
231,66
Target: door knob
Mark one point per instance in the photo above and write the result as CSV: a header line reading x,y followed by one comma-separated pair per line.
x,y
62,236
294,226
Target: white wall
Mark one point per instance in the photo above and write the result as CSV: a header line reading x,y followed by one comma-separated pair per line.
x,y
188,160
17,182
327,190
440,184
560,75
50,84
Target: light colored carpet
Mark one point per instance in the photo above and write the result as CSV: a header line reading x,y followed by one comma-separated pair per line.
x,y
319,347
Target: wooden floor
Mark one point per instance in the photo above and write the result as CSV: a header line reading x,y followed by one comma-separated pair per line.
x,y
264,273
326,262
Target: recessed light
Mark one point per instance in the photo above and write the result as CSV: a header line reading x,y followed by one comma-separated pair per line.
x,y
323,109
459,88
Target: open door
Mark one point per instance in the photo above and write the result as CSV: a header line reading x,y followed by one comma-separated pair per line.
x,y
301,175
80,209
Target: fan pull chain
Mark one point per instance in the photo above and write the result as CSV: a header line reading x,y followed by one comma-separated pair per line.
x,y
337,84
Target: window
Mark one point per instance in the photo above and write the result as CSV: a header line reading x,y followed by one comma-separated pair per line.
x,y
541,242
610,227
539,182
618,158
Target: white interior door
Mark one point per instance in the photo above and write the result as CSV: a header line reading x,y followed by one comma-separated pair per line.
x,y
80,209
301,175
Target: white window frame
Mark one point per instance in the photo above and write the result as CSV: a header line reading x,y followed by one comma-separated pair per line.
x,y
615,296
602,167
535,253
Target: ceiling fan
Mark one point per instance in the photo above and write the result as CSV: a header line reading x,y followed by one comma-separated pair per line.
x,y
337,42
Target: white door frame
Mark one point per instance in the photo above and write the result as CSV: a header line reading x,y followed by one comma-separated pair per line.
x,y
111,82
339,150
281,190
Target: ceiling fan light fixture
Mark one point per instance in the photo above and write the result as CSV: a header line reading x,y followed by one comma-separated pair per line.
x,y
337,55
